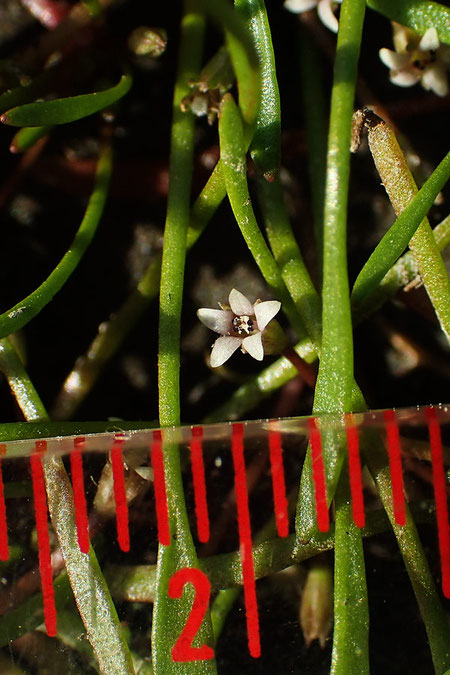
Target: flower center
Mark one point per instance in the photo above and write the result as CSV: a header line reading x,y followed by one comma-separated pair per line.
x,y
421,60
243,325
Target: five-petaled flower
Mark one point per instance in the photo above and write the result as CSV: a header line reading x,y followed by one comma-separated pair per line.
x,y
324,10
241,324
417,59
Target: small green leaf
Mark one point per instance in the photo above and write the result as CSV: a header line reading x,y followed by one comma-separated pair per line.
x,y
419,15
19,315
399,235
27,137
65,110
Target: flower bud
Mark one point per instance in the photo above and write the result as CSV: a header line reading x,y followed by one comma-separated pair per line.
x,y
316,605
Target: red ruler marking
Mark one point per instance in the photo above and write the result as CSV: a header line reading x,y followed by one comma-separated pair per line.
x,y
278,481
159,482
354,466
395,464
79,497
198,476
245,539
320,489
440,496
4,551
120,497
45,561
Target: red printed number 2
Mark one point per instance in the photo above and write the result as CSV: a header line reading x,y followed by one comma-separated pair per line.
x,y
183,649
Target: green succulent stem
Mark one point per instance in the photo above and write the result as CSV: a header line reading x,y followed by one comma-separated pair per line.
x,y
89,587
170,615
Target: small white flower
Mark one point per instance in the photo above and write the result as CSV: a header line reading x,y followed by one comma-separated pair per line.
x,y
417,59
240,325
324,10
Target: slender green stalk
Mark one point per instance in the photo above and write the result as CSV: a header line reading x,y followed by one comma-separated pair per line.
x,y
408,540
266,153
335,384
88,584
27,137
351,636
169,615
404,272
234,167
177,219
18,316
221,607
411,225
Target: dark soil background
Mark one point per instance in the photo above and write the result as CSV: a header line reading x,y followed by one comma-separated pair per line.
x,y
401,358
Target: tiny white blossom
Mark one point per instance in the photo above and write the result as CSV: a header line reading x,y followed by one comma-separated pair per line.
x,y
417,59
324,10
239,325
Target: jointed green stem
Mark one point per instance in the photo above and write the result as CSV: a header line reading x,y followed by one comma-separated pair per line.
x,y
88,584
410,208
169,615
266,153
19,315
234,168
334,389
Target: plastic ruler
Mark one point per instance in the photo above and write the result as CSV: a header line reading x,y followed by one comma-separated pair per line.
x,y
278,439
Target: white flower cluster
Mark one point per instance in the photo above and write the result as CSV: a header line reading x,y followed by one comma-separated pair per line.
x,y
240,325
325,10
417,59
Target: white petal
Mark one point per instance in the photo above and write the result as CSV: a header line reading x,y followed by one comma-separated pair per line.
x,y
393,59
430,40
265,311
402,37
435,79
326,15
298,6
240,304
404,78
253,345
223,348
217,320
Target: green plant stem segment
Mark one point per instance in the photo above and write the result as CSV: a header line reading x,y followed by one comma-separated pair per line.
x,y
18,316
234,168
242,54
411,225
431,609
266,153
170,615
65,110
403,273
88,584
25,138
351,635
418,15
335,384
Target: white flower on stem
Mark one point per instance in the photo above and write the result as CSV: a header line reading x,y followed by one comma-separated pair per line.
x,y
241,324
324,10
417,59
